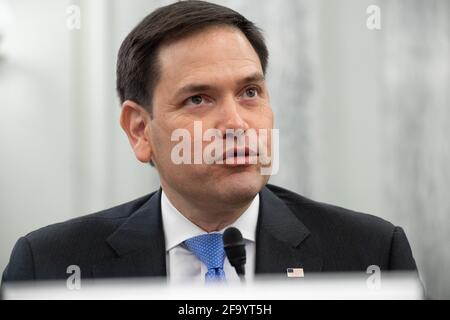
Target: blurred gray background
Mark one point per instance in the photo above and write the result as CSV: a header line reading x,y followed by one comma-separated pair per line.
x,y
364,115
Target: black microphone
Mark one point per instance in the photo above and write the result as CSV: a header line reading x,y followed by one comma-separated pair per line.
x,y
234,246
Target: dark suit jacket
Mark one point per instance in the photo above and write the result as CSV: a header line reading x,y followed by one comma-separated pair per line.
x,y
292,231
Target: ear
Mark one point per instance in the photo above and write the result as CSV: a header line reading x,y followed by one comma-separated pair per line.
x,y
135,121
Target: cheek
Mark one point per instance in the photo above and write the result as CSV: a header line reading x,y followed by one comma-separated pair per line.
x,y
262,119
163,145
160,138
267,111
268,116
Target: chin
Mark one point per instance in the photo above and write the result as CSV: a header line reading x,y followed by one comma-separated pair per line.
x,y
241,187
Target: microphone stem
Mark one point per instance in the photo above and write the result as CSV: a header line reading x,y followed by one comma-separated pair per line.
x,y
240,270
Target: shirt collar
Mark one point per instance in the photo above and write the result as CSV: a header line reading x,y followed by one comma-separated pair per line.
x,y
177,228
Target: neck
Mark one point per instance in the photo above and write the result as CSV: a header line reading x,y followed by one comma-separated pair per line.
x,y
209,215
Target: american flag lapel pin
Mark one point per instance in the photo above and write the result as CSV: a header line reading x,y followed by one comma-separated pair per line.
x,y
295,272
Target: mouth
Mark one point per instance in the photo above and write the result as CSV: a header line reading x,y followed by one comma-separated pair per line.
x,y
240,157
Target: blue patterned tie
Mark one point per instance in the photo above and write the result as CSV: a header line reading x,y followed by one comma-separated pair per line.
x,y
208,248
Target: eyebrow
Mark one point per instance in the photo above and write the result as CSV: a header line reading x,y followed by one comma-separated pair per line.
x,y
190,88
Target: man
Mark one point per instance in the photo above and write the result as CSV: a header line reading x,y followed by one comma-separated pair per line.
x,y
190,63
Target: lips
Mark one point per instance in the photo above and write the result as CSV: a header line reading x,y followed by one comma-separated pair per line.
x,y
236,153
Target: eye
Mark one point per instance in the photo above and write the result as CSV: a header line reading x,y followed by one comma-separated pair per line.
x,y
197,100
251,92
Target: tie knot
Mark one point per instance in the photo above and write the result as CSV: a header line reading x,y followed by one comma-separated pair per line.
x,y
208,248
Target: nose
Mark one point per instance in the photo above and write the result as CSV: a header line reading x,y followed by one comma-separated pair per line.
x,y
230,117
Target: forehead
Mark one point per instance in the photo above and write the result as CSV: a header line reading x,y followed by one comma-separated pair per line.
x,y
219,51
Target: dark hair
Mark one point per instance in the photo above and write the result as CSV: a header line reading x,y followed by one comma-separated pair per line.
x,y
137,62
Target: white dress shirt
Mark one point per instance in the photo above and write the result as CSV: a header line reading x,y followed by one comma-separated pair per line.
x,y
182,264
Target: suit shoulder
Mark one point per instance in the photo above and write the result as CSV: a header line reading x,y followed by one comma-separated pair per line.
x,y
98,223
314,213
47,252
350,240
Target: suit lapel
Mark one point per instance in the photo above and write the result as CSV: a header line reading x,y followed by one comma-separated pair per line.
x,y
282,240
139,245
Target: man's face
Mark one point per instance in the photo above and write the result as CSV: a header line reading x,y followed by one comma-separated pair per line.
x,y
215,77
